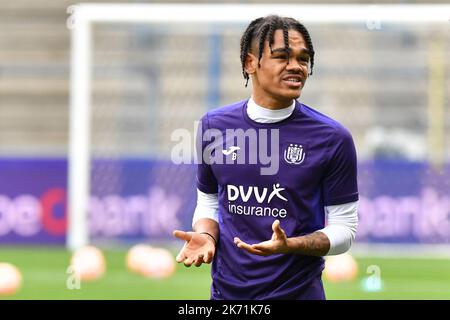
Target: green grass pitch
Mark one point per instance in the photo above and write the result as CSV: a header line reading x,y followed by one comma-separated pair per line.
x,y
44,272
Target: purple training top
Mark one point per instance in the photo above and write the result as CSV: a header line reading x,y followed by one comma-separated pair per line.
x,y
316,161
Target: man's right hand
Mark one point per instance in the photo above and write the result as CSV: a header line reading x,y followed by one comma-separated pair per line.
x,y
199,248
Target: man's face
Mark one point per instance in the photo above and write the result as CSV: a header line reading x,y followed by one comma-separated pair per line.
x,y
276,83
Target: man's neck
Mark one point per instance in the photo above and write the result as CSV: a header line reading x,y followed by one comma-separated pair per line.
x,y
261,114
272,104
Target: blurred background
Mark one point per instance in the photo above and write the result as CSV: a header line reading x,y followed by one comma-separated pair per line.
x,y
387,83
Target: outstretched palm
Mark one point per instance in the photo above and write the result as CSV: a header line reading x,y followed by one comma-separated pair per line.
x,y
198,248
277,244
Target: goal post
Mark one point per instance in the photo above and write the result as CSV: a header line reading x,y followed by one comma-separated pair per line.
x,y
84,16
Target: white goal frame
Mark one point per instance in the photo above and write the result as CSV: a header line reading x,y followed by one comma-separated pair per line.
x,y
83,16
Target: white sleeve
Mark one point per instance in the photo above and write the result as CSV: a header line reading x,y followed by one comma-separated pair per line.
x,y
207,207
341,228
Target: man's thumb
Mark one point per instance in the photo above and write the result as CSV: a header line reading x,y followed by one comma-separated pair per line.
x,y
182,235
276,228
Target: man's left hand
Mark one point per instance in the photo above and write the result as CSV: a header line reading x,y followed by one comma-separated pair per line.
x,y
278,243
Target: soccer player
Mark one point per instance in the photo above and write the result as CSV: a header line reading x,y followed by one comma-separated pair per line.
x,y
265,232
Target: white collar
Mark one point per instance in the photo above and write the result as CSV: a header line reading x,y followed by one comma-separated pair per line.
x,y
263,115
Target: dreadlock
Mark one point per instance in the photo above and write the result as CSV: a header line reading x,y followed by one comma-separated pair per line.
x,y
262,29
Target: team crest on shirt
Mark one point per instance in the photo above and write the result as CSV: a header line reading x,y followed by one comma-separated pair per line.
x,y
294,153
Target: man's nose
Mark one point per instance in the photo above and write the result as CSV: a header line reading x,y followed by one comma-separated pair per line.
x,y
293,65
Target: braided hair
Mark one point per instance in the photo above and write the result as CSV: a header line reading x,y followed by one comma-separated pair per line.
x,y
262,29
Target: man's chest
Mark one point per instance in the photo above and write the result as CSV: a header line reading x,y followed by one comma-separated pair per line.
x,y
269,157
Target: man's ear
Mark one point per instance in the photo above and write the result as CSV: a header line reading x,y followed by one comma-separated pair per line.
x,y
251,63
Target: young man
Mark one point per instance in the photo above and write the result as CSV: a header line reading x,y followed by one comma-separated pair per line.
x,y
265,233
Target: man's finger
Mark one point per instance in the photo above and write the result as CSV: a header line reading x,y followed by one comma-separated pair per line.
x,y
239,242
182,235
263,247
180,257
199,260
188,262
208,257
277,228
249,248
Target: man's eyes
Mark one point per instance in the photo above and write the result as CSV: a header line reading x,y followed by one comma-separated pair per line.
x,y
285,57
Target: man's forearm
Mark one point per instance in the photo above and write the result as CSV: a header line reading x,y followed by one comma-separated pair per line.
x,y
314,244
207,225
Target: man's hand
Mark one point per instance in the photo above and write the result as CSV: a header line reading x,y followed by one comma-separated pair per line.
x,y
199,248
278,243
